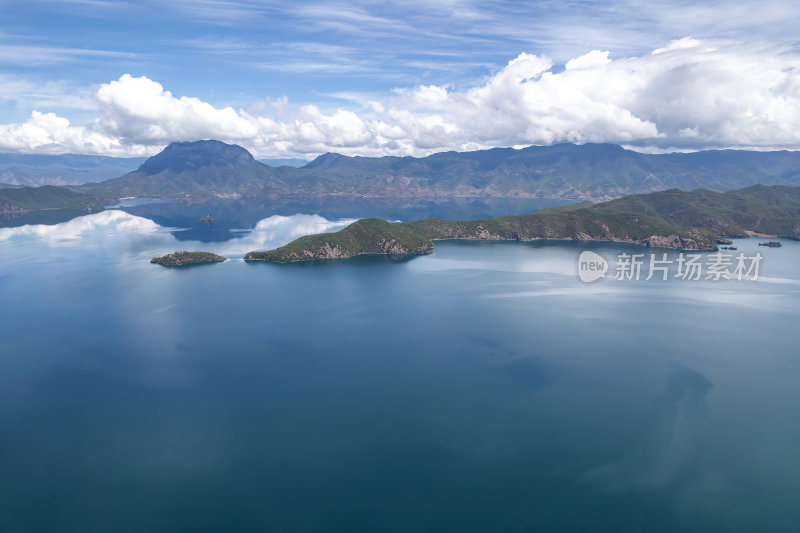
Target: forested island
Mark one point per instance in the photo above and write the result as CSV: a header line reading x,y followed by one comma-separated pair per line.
x,y
178,259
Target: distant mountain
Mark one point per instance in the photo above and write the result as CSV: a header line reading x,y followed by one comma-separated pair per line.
x,y
26,199
288,162
194,156
668,219
197,171
33,170
589,171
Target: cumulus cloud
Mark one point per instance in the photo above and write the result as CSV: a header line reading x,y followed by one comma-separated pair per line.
x,y
688,94
50,134
139,110
595,57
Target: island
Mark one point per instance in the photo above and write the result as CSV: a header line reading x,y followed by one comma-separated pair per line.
x,y
365,236
208,219
674,219
178,259
771,244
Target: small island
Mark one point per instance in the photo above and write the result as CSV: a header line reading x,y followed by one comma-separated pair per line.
x,y
771,244
208,219
178,259
724,241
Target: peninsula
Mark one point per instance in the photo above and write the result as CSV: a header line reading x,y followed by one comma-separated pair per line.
x,y
675,219
19,200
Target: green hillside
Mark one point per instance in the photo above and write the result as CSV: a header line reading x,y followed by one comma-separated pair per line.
x,y
25,199
365,236
669,219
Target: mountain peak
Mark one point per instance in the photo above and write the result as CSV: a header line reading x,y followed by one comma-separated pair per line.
x,y
326,160
187,156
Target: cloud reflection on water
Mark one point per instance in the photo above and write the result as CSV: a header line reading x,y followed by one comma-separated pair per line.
x,y
138,232
110,222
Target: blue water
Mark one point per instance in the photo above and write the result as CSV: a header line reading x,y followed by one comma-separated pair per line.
x,y
480,388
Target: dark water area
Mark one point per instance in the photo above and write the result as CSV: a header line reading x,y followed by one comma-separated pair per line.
x,y
481,388
47,217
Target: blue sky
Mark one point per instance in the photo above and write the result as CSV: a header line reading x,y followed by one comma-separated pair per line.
x,y
298,64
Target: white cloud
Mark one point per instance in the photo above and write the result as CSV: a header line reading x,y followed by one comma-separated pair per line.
x,y
50,134
139,110
47,94
593,58
689,94
678,44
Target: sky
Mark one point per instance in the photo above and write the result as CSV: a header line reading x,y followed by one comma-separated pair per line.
x,y
297,79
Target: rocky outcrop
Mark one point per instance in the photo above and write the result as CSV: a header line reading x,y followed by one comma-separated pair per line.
x,y
678,242
326,251
392,247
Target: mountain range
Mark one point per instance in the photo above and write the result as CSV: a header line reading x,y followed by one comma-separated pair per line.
x,y
35,170
201,170
25,199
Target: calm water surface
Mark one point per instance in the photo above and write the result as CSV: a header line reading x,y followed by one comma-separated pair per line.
x,y
480,388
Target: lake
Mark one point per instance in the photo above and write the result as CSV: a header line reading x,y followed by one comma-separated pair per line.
x,y
481,388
